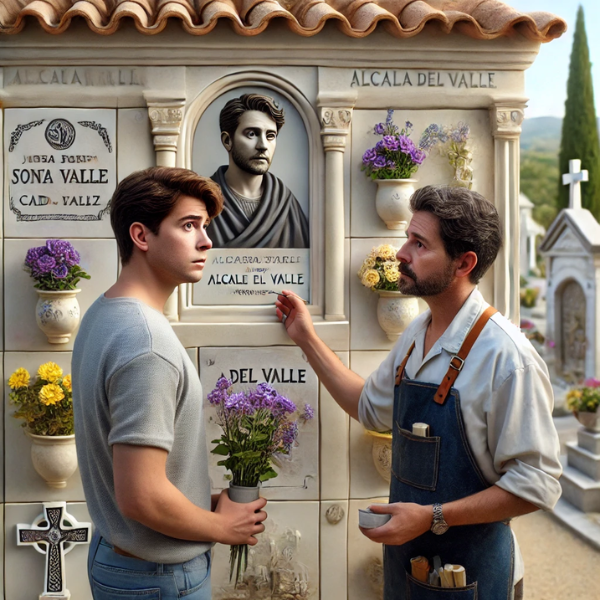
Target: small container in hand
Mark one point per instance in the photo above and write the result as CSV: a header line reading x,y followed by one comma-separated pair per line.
x,y
371,520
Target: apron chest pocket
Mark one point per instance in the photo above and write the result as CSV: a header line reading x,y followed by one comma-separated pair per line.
x,y
417,590
415,459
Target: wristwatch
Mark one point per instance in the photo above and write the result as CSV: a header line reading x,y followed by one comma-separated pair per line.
x,y
438,525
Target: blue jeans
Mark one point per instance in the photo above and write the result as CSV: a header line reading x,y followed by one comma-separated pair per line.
x,y
116,577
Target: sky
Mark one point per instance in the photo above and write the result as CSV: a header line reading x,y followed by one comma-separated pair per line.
x,y
546,80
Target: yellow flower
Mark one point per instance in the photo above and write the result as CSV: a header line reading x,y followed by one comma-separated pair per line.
x,y
19,379
369,262
392,274
370,278
386,252
50,372
67,383
51,394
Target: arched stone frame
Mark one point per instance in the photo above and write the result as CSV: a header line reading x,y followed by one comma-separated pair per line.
x,y
560,280
231,313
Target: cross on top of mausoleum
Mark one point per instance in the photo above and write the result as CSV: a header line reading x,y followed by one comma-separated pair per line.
x,y
573,179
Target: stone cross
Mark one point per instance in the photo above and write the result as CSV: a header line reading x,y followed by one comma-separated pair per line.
x,y
573,179
54,534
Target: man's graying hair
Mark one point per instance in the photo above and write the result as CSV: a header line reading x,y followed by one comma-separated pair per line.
x,y
229,119
468,222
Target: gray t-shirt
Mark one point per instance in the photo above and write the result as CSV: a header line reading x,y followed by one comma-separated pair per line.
x,y
133,383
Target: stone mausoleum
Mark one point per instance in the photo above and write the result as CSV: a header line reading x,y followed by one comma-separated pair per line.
x,y
91,91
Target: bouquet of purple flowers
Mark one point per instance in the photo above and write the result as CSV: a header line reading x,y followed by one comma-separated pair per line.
x,y
55,266
257,424
395,156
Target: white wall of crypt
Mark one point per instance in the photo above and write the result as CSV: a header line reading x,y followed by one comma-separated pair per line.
x,y
150,93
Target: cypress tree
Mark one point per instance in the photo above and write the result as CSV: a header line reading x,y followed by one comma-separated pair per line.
x,y
579,128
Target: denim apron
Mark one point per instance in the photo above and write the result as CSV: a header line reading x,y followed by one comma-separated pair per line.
x,y
441,468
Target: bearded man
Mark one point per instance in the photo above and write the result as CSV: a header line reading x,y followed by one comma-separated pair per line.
x,y
469,403
259,210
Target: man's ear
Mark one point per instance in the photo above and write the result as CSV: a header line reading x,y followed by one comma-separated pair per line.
x,y
139,235
465,264
226,141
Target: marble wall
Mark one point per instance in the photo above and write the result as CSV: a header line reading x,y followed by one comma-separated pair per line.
x,y
312,547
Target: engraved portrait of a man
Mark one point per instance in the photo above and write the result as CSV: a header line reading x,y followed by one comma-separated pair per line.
x,y
259,210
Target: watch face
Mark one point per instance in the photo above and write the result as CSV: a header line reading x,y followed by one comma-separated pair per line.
x,y
439,528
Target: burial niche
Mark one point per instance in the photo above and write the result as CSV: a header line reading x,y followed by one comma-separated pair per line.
x,y
572,329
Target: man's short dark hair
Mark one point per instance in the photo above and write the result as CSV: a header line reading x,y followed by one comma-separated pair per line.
x,y
149,196
231,113
468,222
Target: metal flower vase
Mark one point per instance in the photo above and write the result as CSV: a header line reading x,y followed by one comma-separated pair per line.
x,y
392,202
395,311
57,314
54,458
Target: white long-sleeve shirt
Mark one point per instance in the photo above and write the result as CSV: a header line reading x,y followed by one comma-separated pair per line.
x,y
506,400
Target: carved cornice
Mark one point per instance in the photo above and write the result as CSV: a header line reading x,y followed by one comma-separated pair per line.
x,y
335,126
506,121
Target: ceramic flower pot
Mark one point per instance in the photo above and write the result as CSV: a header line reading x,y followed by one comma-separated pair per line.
x,y
382,453
395,311
590,420
392,201
57,314
243,494
54,457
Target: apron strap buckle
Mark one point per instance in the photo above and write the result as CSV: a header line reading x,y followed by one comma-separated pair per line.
x,y
457,362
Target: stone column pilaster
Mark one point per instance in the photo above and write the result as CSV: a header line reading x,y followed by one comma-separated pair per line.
x,y
506,119
166,116
335,126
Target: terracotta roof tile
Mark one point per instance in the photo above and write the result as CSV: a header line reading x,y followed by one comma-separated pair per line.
x,y
481,19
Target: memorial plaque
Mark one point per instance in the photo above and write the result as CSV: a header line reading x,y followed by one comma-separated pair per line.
x,y
286,369
253,143
250,276
60,172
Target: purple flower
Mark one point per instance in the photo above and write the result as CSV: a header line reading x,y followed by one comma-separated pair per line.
x,y
60,271
417,156
285,436
72,258
460,133
369,156
391,164
308,413
408,125
34,254
390,115
380,162
44,264
390,142
223,383
406,144
379,146
379,129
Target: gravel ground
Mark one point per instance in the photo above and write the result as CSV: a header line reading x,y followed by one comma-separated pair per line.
x,y
558,565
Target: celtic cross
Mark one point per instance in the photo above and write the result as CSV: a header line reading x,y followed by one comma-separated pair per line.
x,y
54,534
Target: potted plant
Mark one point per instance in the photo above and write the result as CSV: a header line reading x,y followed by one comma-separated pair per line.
x,y
55,268
584,402
257,424
380,273
391,163
46,408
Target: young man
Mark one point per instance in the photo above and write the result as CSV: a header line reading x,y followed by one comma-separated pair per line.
x,y
259,211
491,451
138,405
